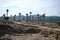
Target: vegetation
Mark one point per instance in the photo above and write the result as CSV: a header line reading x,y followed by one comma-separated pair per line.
x,y
14,17
7,12
27,18
57,36
30,16
19,16
43,19
6,18
58,23
32,28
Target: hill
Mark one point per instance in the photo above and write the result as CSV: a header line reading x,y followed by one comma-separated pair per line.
x,y
47,18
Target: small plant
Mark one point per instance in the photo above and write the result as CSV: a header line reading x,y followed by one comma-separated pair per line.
x,y
56,36
6,18
58,23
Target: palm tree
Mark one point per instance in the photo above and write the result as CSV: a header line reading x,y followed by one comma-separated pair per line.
x,y
38,18
30,16
27,18
7,12
14,17
19,16
4,16
43,19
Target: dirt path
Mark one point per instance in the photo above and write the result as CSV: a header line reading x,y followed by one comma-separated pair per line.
x,y
40,27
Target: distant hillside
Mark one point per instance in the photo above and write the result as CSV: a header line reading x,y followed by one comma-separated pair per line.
x,y
17,17
47,18
52,18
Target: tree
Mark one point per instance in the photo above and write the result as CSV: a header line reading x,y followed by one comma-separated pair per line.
x,y
4,16
27,18
7,12
19,16
43,19
14,17
30,16
40,18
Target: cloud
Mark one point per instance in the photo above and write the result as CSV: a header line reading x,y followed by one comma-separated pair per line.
x,y
25,6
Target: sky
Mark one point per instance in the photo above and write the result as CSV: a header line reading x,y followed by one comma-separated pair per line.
x,y
49,7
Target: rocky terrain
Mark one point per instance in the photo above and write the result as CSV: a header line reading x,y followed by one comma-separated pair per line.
x,y
25,31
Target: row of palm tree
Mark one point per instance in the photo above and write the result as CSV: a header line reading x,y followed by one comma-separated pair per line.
x,y
40,17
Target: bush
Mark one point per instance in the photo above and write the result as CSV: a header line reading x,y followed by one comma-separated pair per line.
x,y
6,18
58,23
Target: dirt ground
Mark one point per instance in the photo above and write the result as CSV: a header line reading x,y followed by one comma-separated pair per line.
x,y
18,31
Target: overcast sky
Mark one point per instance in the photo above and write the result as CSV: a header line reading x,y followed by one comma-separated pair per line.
x,y
50,7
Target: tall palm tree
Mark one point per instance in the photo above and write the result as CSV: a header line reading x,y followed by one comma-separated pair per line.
x,y
19,16
27,18
43,19
7,12
6,18
38,18
30,16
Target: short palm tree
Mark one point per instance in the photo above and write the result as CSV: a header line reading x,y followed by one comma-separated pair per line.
x,y
43,19
14,17
30,16
4,16
27,18
19,16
